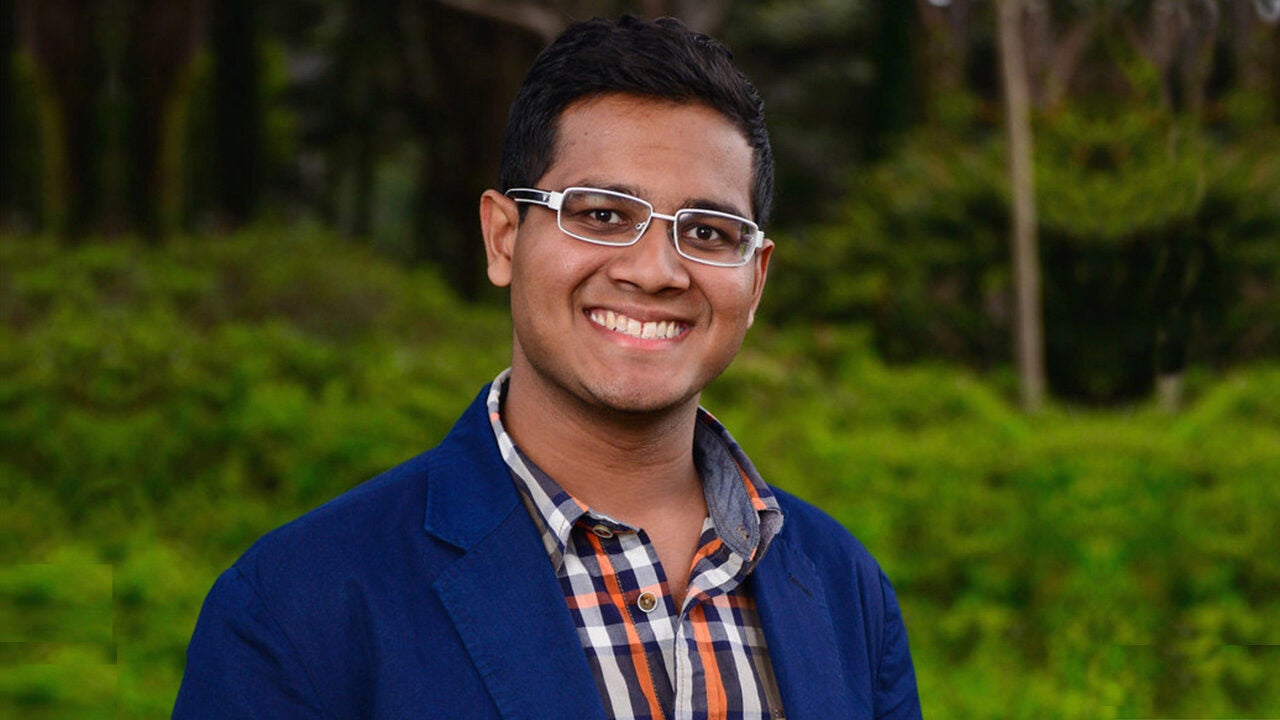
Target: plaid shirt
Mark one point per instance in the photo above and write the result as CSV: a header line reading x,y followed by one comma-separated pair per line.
x,y
651,660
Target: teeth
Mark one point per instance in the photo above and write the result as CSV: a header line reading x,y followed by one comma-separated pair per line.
x,y
659,330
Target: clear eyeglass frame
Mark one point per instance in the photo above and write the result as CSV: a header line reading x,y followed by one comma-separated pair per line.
x,y
628,234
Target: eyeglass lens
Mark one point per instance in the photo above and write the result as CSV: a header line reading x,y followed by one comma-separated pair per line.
x,y
620,219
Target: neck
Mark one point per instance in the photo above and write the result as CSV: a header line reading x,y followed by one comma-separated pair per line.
x,y
630,466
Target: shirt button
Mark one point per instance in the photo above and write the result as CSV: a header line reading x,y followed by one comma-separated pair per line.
x,y
647,601
602,531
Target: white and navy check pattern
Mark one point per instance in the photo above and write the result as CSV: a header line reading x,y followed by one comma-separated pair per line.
x,y
651,660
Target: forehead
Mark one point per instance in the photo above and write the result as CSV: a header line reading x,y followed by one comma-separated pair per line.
x,y
672,150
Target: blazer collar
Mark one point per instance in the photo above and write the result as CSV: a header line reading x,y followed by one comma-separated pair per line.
x,y
470,490
802,641
502,593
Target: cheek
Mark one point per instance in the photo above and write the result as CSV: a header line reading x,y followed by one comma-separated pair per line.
x,y
534,263
733,301
546,274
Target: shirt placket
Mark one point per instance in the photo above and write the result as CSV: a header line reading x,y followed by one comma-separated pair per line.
x,y
691,673
642,596
707,581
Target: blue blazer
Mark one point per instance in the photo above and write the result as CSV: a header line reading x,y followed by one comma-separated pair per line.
x,y
426,593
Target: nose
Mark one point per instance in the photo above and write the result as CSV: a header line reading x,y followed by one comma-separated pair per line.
x,y
652,263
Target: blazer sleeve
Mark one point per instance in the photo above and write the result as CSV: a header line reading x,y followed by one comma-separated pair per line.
x,y
240,663
897,697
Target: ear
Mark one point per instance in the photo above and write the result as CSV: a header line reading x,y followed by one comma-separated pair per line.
x,y
499,222
761,261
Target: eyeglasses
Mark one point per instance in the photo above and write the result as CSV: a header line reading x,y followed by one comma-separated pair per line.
x,y
605,217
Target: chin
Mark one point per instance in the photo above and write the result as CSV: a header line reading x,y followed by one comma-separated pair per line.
x,y
634,401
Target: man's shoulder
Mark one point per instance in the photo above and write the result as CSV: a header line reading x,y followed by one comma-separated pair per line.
x,y
863,609
824,541
305,606
384,514
347,528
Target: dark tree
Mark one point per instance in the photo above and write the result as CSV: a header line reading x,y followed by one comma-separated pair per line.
x,y
163,38
237,109
474,76
8,36
894,94
58,35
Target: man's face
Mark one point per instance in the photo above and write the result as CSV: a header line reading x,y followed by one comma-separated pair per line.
x,y
563,289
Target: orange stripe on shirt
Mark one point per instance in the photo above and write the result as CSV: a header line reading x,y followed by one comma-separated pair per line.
x,y
717,699
706,551
580,601
638,659
752,492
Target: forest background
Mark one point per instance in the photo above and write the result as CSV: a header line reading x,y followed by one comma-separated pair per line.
x,y
1020,333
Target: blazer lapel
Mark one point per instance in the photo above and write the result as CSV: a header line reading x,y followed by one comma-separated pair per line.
x,y
502,593
802,641
509,609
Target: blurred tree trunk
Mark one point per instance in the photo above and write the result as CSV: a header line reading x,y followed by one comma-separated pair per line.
x,y
108,78
164,37
58,37
1028,324
948,32
1254,48
237,107
1054,57
352,109
8,111
894,92
369,20
461,86
1178,40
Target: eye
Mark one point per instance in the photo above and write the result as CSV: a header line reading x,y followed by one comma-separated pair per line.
x,y
605,216
705,234
710,233
600,215
603,222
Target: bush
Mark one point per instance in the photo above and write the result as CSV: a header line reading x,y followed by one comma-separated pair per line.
x,y
1157,250
1076,564
162,408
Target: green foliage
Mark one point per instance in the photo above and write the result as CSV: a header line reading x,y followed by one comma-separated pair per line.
x,y
1074,564
162,408
920,250
1157,248
1112,180
159,410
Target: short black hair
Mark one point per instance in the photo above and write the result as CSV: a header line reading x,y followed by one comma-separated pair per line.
x,y
661,59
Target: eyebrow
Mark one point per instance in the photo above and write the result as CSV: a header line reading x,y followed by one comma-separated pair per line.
x,y
707,204
689,203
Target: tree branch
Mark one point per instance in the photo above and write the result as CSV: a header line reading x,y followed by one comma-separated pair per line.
x,y
543,21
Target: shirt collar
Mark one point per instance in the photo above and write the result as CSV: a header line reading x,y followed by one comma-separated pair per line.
x,y
743,509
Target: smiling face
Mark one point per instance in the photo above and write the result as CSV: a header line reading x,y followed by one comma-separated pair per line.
x,y
635,329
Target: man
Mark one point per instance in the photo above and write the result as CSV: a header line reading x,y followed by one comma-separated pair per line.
x,y
586,542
